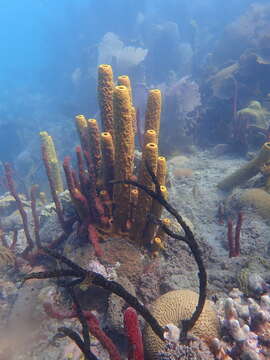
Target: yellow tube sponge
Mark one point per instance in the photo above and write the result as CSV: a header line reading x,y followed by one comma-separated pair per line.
x,y
49,148
94,144
133,203
160,232
156,206
156,210
124,154
56,175
108,157
161,170
150,136
47,142
105,97
81,125
125,81
247,171
157,246
153,111
134,119
149,156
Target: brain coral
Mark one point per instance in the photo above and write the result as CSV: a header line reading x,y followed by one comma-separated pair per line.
x,y
175,306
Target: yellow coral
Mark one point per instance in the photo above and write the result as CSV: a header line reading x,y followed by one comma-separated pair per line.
x,y
81,125
124,153
56,175
161,170
150,136
94,144
172,308
149,156
125,81
47,142
160,232
50,152
105,97
153,110
157,246
156,211
108,157
133,203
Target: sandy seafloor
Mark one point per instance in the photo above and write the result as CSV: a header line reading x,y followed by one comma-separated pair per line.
x,y
196,196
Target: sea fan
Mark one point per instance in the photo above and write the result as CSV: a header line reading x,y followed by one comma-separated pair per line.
x,y
187,93
112,49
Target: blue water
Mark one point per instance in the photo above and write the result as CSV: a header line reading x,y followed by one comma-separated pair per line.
x,y
50,51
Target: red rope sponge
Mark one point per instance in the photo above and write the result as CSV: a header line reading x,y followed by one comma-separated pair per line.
x,y
134,334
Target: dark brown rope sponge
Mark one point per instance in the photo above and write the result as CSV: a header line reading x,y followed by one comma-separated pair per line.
x,y
93,278
189,239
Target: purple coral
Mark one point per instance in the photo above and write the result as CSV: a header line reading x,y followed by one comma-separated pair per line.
x,y
245,328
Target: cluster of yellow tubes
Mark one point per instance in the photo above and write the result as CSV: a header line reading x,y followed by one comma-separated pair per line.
x,y
113,153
